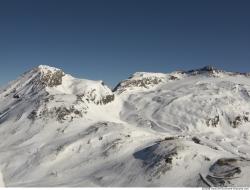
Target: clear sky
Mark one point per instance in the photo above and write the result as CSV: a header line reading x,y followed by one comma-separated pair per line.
x,y
111,39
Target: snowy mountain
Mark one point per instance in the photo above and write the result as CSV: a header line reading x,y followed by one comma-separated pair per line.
x,y
185,128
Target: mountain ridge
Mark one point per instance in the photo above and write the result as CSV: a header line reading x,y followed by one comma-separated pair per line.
x,y
45,70
154,129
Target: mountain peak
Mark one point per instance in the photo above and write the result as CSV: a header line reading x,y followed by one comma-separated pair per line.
x,y
209,68
49,76
46,69
206,69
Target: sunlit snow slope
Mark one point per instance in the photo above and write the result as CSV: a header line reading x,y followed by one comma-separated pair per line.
x,y
178,129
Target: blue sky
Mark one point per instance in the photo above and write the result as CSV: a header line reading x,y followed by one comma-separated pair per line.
x,y
110,39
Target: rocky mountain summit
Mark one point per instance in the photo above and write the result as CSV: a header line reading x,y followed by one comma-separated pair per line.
x,y
44,88
184,128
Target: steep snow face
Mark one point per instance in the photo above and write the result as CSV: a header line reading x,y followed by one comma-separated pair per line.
x,y
177,129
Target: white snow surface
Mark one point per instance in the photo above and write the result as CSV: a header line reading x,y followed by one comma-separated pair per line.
x,y
1,180
181,129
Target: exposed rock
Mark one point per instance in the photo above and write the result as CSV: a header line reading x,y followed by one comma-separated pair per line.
x,y
32,115
213,121
173,77
16,96
199,141
196,140
170,138
51,79
208,69
141,82
225,170
206,158
107,99
92,98
238,120
62,112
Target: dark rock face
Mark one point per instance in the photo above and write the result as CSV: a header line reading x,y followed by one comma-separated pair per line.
x,y
34,83
107,99
16,96
209,70
170,138
52,79
239,120
33,115
233,122
214,122
143,83
173,78
62,113
196,140
225,170
92,98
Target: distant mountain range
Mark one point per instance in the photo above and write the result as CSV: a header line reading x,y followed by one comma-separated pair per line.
x,y
180,129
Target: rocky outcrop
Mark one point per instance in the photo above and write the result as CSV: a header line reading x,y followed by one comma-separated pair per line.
x,y
107,99
210,70
225,171
139,82
239,120
52,79
213,122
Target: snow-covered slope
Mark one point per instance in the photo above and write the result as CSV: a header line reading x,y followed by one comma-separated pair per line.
x,y
177,129
1,180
